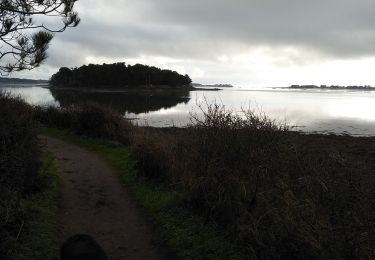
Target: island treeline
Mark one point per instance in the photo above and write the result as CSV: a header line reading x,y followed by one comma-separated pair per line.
x,y
117,75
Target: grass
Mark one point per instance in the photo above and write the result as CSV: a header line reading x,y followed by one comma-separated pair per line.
x,y
28,185
186,234
242,186
38,236
89,119
280,194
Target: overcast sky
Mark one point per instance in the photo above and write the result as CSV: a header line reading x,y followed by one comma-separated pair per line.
x,y
243,42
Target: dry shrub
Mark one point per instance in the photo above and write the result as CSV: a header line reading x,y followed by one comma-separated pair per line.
x,y
54,116
88,119
153,153
280,197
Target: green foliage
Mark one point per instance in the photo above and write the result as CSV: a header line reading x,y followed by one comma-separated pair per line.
x,y
18,146
186,234
27,51
117,75
87,119
280,196
28,198
38,238
243,187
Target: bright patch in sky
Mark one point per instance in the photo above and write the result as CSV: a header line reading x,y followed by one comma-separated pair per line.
x,y
248,43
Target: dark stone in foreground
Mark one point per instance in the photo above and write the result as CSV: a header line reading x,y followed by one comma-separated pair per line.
x,y
82,247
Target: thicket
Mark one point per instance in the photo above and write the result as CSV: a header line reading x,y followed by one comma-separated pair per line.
x,y
88,119
117,75
19,171
280,196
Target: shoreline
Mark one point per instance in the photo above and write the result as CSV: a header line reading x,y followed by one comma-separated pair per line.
x,y
296,133
251,166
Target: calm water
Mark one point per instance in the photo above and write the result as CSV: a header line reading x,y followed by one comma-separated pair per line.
x,y
336,111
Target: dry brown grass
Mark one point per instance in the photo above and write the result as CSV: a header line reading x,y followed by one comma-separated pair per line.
x,y
280,197
278,193
88,119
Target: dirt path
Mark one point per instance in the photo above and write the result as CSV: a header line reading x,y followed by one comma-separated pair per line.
x,y
95,203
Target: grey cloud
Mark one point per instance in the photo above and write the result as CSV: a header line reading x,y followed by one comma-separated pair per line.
x,y
206,29
336,27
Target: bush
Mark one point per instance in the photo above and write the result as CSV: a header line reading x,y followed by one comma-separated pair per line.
x,y
88,119
18,146
227,156
19,163
278,193
281,197
152,150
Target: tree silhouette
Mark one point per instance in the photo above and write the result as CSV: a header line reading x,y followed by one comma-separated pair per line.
x,y
23,40
117,75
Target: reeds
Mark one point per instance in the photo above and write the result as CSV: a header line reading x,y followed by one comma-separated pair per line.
x,y
280,197
276,192
88,119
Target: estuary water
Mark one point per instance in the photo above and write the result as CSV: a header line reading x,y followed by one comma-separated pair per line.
x,y
350,112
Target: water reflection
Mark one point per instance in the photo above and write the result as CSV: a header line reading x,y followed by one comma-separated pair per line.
x,y
124,102
32,94
339,111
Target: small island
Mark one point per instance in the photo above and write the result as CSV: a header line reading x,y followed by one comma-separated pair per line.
x,y
355,87
119,76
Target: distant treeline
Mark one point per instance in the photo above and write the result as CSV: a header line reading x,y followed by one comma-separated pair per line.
x,y
366,87
20,81
117,75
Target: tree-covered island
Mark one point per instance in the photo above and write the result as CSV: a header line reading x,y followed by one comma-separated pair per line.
x,y
118,75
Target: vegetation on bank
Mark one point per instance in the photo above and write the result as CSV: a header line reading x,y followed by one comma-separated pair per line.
x,y
87,119
186,235
232,186
29,187
264,192
38,240
117,75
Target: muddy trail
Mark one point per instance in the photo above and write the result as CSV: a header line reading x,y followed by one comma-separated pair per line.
x,y
94,202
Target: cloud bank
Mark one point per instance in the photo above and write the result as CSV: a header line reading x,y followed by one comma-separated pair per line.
x,y
206,36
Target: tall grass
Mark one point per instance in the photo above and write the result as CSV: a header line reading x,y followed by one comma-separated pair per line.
x,y
275,192
19,165
88,119
282,198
